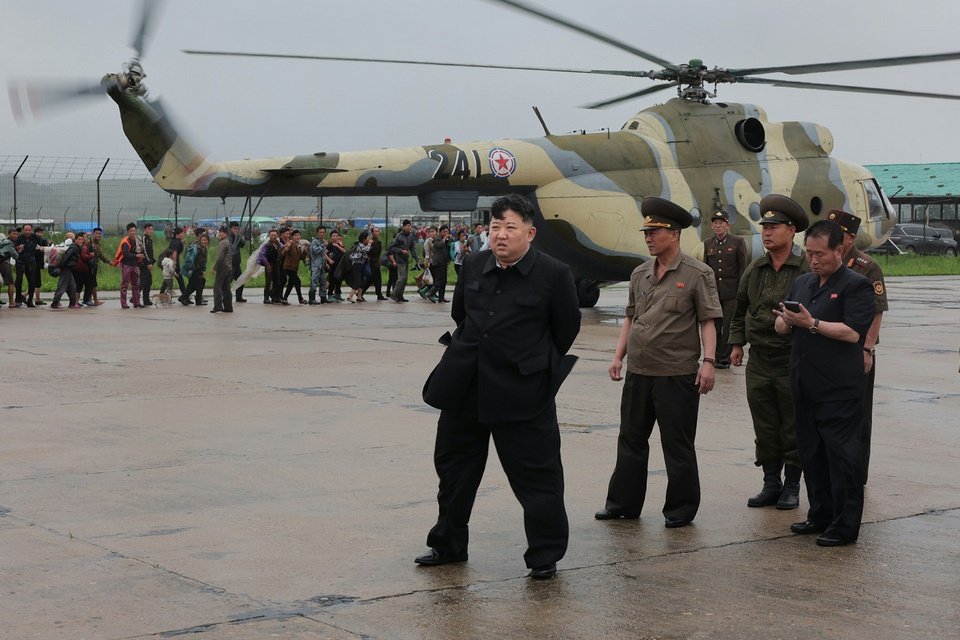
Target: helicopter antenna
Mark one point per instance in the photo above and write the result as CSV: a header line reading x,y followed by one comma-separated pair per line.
x,y
543,124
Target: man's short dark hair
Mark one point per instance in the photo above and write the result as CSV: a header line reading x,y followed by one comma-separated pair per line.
x,y
826,229
222,230
13,230
100,229
512,202
405,223
321,228
81,234
234,224
149,225
443,226
38,230
131,225
177,231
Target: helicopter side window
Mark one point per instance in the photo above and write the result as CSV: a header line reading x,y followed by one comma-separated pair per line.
x,y
633,125
877,204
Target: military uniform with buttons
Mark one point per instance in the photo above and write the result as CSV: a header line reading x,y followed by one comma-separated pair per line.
x,y
859,262
728,259
763,286
662,351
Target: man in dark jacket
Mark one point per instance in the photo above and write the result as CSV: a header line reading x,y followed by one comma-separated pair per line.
x,y
236,243
146,267
517,315
835,310
66,283
406,240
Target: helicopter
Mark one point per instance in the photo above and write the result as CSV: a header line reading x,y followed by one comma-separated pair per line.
x,y
700,152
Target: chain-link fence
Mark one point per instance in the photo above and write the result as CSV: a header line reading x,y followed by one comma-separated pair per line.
x,y
80,193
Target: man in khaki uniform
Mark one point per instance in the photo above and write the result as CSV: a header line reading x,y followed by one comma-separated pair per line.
x,y
726,254
671,310
866,266
763,286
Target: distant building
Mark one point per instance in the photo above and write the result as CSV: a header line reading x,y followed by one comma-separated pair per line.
x,y
926,193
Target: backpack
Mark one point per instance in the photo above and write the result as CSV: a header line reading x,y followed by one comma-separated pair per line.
x,y
53,262
190,257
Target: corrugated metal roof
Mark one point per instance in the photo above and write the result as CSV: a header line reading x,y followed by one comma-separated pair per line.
x,y
939,179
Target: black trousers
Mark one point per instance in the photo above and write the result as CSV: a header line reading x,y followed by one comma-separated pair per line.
x,y
146,283
866,430
672,402
529,452
828,439
195,285
376,280
33,281
293,282
723,330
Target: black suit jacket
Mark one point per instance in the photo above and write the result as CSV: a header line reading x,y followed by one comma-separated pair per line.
x,y
514,327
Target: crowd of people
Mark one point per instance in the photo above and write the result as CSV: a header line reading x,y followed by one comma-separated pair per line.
x,y
25,252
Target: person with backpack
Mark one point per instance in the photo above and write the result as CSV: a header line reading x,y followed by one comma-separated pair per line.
x,y
195,265
62,264
129,257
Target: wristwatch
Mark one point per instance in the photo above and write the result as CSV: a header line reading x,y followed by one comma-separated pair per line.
x,y
871,350
815,327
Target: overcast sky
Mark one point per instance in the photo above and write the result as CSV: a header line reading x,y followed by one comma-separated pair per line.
x,y
240,108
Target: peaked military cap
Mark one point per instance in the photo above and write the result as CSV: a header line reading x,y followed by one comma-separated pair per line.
x,y
778,209
720,214
663,214
847,221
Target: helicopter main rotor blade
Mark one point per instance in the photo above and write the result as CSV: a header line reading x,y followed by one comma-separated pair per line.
x,y
521,6
145,22
290,56
849,88
29,97
629,96
850,64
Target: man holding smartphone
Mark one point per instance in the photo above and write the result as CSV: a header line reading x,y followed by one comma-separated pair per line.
x,y
764,285
827,379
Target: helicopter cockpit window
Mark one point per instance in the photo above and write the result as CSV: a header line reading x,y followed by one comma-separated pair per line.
x,y
877,204
633,125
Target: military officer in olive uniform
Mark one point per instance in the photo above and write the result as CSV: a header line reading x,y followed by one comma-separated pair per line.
x,y
726,254
859,262
764,285
671,311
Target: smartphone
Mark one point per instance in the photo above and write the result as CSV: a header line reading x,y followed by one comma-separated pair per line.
x,y
791,305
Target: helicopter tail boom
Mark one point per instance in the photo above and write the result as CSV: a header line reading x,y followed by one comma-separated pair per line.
x,y
175,164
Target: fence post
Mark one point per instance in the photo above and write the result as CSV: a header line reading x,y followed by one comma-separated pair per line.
x,y
15,189
98,189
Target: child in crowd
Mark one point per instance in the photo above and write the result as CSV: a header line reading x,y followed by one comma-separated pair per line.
x,y
169,270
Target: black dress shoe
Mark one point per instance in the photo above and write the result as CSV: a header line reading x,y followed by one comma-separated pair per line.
x,y
722,365
545,572
833,540
614,514
808,526
434,558
241,299
675,523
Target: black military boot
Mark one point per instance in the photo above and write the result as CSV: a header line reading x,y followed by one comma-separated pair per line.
x,y
312,295
790,496
772,487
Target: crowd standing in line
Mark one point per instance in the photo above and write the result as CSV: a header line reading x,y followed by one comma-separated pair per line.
x,y
811,404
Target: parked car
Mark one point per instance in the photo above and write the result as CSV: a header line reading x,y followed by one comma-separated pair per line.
x,y
912,237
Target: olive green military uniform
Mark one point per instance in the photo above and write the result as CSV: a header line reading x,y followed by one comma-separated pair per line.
x,y
728,259
761,290
866,266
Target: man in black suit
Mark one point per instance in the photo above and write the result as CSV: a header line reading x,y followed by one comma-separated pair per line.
x,y
517,315
835,311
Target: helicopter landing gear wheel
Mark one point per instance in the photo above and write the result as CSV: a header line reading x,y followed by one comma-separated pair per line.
x,y
588,293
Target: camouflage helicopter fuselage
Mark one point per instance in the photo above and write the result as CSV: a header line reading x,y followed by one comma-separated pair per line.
x,y
586,187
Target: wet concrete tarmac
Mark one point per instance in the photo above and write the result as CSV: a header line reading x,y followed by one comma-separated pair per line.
x,y
170,472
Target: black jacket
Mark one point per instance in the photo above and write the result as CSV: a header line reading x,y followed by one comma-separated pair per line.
x,y
513,328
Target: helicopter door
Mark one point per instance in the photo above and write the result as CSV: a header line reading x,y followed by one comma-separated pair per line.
x,y
606,230
878,207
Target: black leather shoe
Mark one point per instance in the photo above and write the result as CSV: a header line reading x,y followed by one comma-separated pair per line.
x,y
722,365
833,540
545,572
434,558
808,527
675,523
613,514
